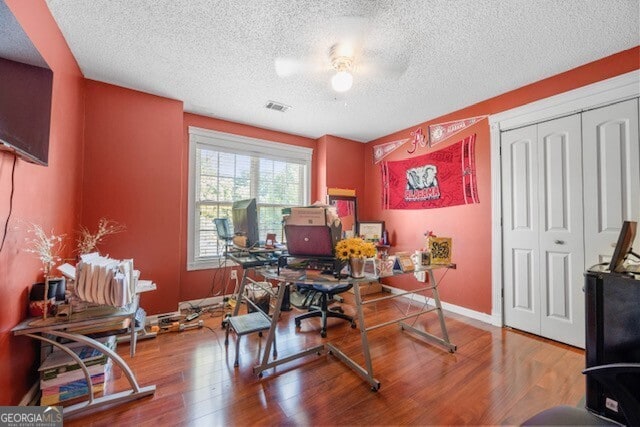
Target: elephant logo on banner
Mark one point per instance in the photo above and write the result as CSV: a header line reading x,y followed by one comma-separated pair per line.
x,y
422,183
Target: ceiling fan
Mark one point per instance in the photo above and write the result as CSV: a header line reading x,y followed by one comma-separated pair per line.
x,y
345,57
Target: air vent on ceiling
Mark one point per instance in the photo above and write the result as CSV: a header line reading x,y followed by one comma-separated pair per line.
x,y
277,106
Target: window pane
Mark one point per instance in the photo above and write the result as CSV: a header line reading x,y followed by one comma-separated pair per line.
x,y
209,245
208,188
223,177
270,218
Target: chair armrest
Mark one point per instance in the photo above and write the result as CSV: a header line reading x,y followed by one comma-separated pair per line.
x,y
613,369
617,377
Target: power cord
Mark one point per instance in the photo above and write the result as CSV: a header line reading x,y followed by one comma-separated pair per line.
x,y
6,223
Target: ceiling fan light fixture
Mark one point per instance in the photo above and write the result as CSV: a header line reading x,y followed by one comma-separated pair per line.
x,y
342,81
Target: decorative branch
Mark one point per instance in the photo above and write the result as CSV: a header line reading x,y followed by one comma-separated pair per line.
x,y
46,248
88,242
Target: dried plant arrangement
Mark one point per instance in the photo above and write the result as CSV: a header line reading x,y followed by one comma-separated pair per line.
x,y
88,241
46,248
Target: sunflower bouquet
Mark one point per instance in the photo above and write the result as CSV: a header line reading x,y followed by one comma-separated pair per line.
x,y
354,247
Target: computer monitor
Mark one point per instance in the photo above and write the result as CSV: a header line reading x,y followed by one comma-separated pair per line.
x,y
245,220
623,247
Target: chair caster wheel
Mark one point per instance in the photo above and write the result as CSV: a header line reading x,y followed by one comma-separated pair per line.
x,y
375,389
235,364
353,325
297,324
260,375
260,334
323,333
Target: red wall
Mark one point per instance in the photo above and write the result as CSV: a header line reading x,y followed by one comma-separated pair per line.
x,y
470,226
48,196
198,283
133,175
344,167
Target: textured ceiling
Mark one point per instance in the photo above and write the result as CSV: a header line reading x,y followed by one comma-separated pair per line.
x,y
14,42
416,60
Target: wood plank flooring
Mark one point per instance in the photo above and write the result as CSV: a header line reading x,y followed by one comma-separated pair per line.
x,y
497,376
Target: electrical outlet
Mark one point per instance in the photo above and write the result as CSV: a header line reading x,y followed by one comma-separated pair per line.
x,y
234,275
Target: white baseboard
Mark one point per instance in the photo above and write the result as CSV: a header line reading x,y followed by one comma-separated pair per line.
x,y
472,314
29,399
186,305
206,302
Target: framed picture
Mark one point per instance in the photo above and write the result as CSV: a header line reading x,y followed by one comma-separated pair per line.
x,y
347,210
371,230
440,249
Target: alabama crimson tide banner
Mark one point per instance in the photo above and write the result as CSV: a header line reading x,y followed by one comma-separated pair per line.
x,y
446,177
442,131
382,150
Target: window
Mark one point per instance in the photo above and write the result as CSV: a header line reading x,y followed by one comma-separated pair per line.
x,y
224,168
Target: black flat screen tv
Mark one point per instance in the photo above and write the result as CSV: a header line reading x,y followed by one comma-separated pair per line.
x,y
623,247
25,110
245,220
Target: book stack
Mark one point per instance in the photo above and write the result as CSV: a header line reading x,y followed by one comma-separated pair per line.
x,y
62,380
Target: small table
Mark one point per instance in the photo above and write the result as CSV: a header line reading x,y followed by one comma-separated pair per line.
x,y
65,328
366,372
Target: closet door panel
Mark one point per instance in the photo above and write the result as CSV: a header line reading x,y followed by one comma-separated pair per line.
x,y
561,230
611,176
520,229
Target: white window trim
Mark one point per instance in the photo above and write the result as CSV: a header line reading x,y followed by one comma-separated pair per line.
x,y
235,144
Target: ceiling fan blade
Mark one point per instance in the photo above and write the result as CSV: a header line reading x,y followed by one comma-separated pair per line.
x,y
286,67
375,66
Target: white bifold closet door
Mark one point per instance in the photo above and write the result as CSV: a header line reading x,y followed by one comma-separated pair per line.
x,y
567,186
543,245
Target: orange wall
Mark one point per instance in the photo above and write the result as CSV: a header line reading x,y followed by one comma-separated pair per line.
x,y
133,175
206,283
470,226
48,196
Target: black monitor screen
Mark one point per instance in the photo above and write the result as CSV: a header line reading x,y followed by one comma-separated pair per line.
x,y
245,220
625,241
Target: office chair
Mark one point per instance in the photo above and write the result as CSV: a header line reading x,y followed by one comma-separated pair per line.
x,y
224,232
618,378
323,295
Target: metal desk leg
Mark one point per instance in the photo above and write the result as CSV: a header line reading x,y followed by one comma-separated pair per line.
x,y
436,298
366,374
240,293
265,364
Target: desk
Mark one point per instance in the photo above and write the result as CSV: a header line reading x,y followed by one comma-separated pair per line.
x,y
365,372
42,330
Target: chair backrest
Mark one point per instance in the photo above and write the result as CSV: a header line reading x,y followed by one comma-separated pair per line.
x,y
222,228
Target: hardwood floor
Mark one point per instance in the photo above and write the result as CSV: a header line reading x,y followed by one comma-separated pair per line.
x,y
497,376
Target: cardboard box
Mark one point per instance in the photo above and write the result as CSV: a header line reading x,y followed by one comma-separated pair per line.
x,y
367,288
307,216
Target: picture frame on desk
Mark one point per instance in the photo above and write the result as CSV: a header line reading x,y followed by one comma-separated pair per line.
x,y
404,262
371,230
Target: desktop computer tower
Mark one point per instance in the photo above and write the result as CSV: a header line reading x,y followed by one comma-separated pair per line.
x,y
613,333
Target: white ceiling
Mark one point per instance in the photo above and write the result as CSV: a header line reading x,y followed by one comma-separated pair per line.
x,y
419,59
14,42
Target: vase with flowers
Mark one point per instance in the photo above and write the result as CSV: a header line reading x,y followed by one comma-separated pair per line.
x,y
355,250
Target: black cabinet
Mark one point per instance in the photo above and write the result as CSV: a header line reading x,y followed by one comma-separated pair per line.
x,y
613,332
